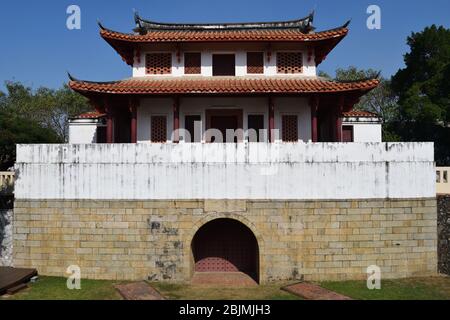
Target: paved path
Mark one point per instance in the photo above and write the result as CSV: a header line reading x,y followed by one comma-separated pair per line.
x,y
311,291
138,291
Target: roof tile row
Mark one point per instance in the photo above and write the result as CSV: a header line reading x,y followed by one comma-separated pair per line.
x,y
225,35
222,86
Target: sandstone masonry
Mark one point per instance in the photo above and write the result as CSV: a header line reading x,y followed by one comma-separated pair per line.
x,y
311,240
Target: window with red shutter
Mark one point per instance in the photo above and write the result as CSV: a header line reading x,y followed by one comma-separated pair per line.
x,y
159,129
289,62
158,63
289,128
255,62
192,63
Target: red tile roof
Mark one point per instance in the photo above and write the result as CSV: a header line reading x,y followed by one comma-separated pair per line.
x,y
222,85
360,114
225,35
90,115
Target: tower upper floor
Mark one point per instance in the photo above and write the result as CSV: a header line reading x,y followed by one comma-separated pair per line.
x,y
283,48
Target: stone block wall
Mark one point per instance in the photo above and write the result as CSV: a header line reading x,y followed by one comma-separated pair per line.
x,y
444,233
311,240
6,230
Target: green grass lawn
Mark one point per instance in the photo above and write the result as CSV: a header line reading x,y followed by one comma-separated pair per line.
x,y
53,288
191,292
430,288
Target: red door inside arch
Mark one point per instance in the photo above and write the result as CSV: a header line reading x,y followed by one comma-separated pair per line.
x,y
226,245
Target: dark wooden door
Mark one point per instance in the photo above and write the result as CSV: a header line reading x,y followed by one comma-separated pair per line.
x,y
225,245
224,65
223,119
347,134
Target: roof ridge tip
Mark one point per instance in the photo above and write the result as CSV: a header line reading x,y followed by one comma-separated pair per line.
x,y
71,78
346,24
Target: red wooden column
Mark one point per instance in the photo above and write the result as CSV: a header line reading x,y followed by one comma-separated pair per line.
x,y
339,110
271,134
176,119
109,124
133,111
314,104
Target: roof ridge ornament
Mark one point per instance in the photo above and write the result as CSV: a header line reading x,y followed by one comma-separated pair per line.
x,y
305,25
71,78
138,21
99,23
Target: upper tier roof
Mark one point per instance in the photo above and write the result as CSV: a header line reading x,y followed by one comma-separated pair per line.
x,y
300,30
305,25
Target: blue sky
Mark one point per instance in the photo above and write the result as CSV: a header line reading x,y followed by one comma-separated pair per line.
x,y
38,49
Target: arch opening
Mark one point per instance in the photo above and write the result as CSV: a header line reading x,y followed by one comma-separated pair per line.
x,y
226,245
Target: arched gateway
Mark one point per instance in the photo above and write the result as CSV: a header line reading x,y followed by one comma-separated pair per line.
x,y
226,245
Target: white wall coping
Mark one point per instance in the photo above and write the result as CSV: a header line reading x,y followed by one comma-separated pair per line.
x,y
295,171
226,153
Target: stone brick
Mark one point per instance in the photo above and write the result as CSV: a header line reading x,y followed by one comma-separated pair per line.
x,y
135,240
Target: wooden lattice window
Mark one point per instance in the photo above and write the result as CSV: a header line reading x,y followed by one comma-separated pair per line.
x,y
159,129
158,63
192,63
255,62
289,128
289,62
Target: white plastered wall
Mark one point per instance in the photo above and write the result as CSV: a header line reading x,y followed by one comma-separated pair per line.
x,y
365,131
83,131
226,171
270,68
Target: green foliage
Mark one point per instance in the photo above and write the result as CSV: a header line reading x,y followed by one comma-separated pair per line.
x,y
55,288
380,100
39,116
50,108
15,130
432,288
422,86
423,89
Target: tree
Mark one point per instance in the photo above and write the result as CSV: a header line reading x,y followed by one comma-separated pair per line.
x,y
380,100
14,130
423,89
49,108
423,86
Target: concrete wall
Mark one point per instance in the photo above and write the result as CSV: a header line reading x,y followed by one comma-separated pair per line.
x,y
226,171
83,131
309,67
366,131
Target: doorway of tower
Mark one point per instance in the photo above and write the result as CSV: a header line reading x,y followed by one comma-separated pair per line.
x,y
226,245
218,121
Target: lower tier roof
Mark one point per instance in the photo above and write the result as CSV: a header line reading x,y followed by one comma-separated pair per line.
x,y
221,85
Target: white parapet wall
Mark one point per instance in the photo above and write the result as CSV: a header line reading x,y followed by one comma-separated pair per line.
x,y
296,171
